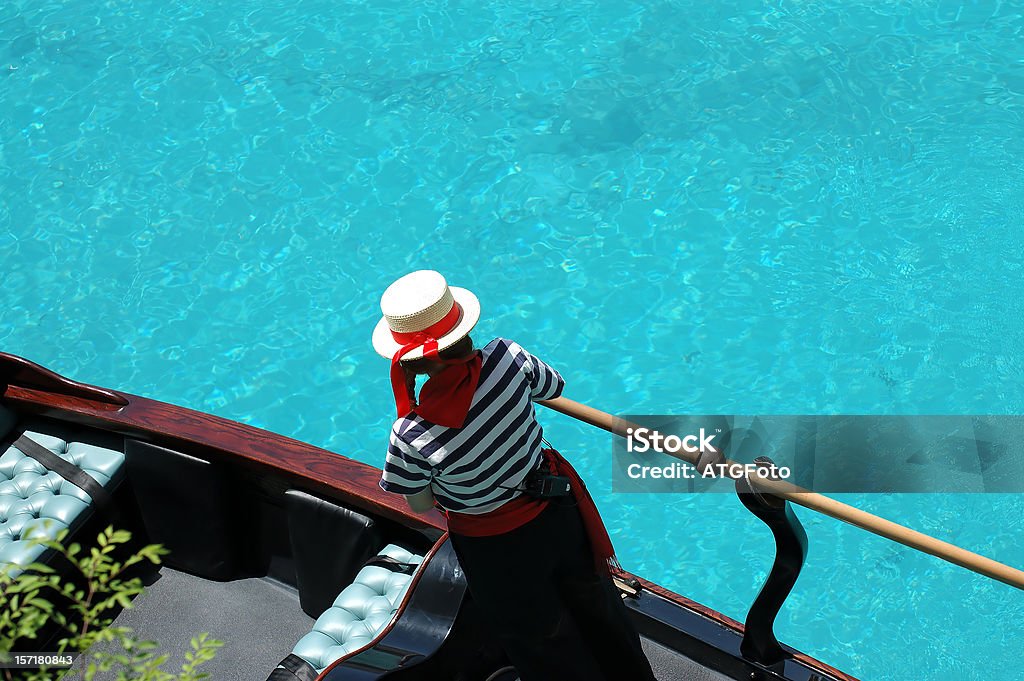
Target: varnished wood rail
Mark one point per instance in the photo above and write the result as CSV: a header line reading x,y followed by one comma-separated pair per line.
x,y
820,503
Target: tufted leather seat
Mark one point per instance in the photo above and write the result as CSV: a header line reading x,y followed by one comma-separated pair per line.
x,y
359,612
36,502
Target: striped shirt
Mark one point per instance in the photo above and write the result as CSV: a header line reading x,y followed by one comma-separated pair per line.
x,y
470,469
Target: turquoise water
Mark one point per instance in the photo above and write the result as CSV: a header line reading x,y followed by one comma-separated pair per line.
x,y
777,207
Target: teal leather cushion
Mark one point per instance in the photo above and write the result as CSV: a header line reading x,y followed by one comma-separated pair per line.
x,y
36,502
359,612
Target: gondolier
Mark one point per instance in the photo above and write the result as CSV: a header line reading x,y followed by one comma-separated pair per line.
x,y
534,555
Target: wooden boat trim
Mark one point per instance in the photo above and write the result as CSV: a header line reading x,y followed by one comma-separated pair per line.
x,y
20,371
205,435
329,473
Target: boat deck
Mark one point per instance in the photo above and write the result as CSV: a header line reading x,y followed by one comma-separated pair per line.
x,y
669,665
259,621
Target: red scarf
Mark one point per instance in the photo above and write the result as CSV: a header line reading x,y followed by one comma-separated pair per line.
x,y
445,398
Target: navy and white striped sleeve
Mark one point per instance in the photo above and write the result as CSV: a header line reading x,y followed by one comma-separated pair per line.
x,y
405,471
545,382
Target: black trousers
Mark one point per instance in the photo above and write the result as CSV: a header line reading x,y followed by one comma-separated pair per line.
x,y
554,616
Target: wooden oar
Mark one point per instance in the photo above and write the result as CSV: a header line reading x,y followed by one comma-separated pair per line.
x,y
822,504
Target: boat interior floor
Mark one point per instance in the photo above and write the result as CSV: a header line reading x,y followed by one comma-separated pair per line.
x,y
259,620
670,665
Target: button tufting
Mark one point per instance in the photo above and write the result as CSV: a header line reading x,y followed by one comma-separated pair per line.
x,y
26,487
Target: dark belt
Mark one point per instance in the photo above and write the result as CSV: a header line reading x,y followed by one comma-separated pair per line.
x,y
67,470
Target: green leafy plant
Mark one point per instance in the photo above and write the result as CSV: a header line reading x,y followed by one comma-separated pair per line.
x,y
87,609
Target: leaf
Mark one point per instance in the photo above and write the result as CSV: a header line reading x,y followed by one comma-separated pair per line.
x,y
25,608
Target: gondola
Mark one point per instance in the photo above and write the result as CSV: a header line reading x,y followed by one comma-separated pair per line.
x,y
295,558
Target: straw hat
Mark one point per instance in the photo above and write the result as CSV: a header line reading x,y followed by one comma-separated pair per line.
x,y
422,301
